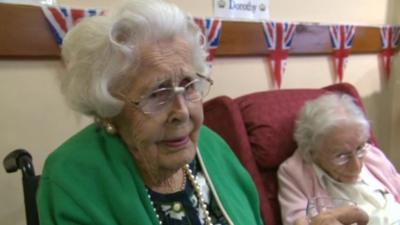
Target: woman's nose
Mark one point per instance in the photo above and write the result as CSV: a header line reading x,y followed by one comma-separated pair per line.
x,y
355,163
179,108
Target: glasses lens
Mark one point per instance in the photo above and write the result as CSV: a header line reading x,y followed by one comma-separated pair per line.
x,y
345,158
194,90
341,159
156,100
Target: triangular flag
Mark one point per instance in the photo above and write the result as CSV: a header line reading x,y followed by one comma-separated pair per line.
x,y
211,28
390,38
341,40
278,37
62,19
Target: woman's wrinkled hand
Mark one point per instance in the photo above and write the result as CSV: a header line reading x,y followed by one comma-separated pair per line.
x,y
341,216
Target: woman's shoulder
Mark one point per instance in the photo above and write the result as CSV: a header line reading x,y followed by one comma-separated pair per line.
x,y
84,138
84,150
375,154
294,161
210,138
207,133
295,169
213,147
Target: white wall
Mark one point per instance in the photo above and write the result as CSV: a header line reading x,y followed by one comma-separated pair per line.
x,y
34,116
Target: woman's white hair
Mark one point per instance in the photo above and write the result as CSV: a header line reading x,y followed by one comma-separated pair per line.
x,y
99,51
317,118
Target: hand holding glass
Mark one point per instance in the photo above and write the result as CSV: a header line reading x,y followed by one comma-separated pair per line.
x,y
318,205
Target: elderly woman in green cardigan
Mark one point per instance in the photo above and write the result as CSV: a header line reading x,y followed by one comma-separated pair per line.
x,y
141,72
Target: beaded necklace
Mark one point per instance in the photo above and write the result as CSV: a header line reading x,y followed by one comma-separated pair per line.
x,y
189,174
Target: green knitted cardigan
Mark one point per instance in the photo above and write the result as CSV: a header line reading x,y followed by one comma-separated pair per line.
x,y
92,179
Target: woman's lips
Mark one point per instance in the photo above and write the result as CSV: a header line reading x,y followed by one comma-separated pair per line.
x,y
177,143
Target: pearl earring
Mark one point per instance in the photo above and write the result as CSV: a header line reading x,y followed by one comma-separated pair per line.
x,y
106,125
110,129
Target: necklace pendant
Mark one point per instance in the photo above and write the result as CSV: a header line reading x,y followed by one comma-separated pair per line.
x,y
177,206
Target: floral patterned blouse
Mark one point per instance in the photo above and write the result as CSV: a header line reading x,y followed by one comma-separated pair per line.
x,y
182,208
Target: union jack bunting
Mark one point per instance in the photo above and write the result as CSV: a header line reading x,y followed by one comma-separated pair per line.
x,y
278,37
341,40
62,19
211,28
390,38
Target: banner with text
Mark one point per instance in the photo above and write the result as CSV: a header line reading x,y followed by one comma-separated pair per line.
x,y
242,9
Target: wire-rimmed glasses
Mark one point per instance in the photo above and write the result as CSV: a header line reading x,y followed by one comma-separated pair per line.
x,y
159,99
344,158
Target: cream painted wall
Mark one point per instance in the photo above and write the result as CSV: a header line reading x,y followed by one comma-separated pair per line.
x,y
34,116
395,119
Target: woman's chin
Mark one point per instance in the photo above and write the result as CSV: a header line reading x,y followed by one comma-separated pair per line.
x,y
179,159
349,179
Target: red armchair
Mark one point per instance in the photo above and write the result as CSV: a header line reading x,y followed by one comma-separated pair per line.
x,y
259,127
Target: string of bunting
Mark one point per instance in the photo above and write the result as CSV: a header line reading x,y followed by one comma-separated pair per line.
x,y
62,19
211,29
278,37
342,40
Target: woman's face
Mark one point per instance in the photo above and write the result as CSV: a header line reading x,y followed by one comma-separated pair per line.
x,y
167,139
341,153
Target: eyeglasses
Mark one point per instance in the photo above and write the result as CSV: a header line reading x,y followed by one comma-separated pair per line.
x,y
160,99
344,158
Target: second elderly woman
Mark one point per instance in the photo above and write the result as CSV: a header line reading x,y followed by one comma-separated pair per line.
x,y
335,159
142,73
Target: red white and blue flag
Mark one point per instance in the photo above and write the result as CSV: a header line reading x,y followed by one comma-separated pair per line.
x,y
62,19
278,37
390,39
211,29
342,41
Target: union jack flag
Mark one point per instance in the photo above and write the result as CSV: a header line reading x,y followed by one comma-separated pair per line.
x,y
390,38
62,19
278,37
211,28
341,40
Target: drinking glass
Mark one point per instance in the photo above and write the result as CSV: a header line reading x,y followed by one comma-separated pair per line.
x,y
318,205
396,223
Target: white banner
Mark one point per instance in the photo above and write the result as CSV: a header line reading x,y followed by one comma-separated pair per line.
x,y
242,9
31,2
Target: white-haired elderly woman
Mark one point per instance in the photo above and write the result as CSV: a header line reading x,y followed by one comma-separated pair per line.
x,y
141,71
334,159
